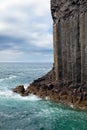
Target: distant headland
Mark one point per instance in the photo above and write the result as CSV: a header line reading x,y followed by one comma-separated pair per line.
x,y
67,81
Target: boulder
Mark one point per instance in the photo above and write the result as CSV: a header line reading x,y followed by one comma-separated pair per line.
x,y
19,89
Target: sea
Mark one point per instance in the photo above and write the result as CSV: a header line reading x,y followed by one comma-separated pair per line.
x,y
32,112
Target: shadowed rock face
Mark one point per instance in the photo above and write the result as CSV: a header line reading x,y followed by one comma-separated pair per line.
x,y
70,40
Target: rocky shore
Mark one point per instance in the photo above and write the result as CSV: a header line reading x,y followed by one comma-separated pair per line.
x,y
67,81
65,93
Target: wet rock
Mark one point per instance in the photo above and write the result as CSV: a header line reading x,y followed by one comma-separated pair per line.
x,y
19,89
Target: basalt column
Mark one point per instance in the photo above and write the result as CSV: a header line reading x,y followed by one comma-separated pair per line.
x,y
70,40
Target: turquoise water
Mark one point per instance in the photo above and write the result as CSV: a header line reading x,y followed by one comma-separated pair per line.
x,y
33,113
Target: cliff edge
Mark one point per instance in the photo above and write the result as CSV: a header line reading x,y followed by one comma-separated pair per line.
x,y
70,41
67,81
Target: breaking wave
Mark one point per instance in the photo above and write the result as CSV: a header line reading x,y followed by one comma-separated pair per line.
x,y
9,78
9,94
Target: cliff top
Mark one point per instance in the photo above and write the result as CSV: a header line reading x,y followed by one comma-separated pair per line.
x,y
65,8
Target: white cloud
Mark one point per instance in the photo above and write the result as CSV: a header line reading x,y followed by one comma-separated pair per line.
x,y
8,55
26,19
2,26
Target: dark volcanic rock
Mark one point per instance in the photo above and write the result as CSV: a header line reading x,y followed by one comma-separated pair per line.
x,y
70,40
44,81
67,81
19,89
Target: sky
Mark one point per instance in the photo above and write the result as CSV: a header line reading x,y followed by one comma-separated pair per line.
x,y
25,31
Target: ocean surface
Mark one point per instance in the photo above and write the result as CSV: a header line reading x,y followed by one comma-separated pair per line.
x,y
31,112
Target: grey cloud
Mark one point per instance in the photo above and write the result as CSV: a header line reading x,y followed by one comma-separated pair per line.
x,y
26,28
7,42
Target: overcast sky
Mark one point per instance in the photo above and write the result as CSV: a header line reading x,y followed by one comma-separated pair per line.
x,y
25,31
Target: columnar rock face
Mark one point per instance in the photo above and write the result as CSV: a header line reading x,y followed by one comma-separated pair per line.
x,y
70,40
67,81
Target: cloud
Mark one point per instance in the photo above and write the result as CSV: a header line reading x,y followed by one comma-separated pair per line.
x,y
25,28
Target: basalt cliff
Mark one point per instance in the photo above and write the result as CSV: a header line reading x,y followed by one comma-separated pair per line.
x,y
67,81
70,40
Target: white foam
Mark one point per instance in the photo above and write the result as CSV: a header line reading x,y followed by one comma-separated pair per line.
x,y
9,94
5,93
25,86
31,97
72,105
47,98
1,80
10,77
5,115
